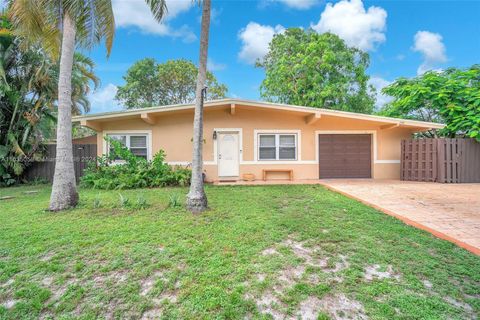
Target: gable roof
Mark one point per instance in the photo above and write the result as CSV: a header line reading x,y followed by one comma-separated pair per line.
x,y
258,104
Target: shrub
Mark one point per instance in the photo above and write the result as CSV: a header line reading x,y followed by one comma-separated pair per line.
x,y
124,201
133,172
174,201
97,203
141,203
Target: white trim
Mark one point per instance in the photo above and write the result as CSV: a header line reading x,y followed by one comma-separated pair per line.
x,y
129,132
178,163
256,132
215,145
260,162
387,161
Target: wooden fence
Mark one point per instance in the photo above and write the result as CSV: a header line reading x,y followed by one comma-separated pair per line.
x,y
44,170
440,160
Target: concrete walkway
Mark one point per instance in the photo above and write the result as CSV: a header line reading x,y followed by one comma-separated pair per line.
x,y
449,211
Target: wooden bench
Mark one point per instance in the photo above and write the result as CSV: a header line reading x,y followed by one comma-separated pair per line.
x,y
265,171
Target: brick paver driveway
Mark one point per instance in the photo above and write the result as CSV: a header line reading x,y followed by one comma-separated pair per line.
x,y
450,211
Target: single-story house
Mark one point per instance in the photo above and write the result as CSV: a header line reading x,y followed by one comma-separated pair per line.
x,y
86,140
251,137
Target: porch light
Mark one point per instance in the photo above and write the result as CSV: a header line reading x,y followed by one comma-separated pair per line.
x,y
214,135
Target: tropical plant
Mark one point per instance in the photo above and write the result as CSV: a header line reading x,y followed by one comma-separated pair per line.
x,y
65,24
148,84
451,96
305,68
28,94
132,172
196,198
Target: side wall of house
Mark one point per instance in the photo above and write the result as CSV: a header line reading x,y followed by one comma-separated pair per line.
x,y
173,133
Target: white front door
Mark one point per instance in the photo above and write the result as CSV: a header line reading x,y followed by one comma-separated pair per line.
x,y
228,154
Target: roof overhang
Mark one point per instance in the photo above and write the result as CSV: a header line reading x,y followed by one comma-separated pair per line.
x,y
311,114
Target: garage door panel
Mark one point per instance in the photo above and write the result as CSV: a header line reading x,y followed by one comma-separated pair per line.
x,y
345,156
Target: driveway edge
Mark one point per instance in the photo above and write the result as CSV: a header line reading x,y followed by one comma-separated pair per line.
x,y
408,221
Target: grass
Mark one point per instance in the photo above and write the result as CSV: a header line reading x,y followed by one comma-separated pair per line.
x,y
260,251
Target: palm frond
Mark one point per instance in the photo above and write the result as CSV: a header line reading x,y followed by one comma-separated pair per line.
x,y
158,8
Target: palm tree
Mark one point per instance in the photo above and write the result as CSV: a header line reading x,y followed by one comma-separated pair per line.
x,y
69,22
196,198
28,87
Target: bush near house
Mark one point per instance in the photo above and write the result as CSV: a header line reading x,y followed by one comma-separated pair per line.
x,y
134,172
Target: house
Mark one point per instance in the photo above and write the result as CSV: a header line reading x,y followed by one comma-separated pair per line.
x,y
92,139
251,137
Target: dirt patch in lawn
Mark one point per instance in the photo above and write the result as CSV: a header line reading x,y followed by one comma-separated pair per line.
x,y
146,285
340,307
169,295
375,272
323,265
9,303
465,307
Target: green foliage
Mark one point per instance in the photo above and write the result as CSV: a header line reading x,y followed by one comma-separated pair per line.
x,y
174,201
451,96
149,84
316,70
28,97
211,263
97,203
123,201
133,172
42,21
141,203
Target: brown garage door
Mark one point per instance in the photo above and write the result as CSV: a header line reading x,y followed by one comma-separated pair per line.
x,y
345,156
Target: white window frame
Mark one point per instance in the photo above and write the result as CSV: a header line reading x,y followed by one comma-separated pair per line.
x,y
277,135
128,134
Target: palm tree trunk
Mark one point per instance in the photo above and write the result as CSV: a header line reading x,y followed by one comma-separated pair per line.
x,y
196,198
64,191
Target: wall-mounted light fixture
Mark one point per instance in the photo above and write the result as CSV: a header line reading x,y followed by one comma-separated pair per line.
x,y
214,135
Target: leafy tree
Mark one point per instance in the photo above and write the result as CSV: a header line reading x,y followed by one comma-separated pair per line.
x,y
149,84
451,96
60,26
196,198
303,67
28,95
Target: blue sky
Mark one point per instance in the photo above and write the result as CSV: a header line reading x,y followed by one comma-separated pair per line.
x,y
404,38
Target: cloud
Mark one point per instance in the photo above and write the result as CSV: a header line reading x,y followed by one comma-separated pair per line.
x,y
136,13
103,100
255,40
431,46
348,19
299,4
381,99
215,66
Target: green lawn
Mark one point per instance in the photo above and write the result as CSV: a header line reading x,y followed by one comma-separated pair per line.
x,y
260,252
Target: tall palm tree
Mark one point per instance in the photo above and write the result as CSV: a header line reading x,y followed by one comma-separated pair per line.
x,y
28,87
64,24
196,198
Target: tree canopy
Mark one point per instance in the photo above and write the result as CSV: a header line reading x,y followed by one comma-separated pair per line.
x,y
148,84
451,96
303,67
28,99
41,22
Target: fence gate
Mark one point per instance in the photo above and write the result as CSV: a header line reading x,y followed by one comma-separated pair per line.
x,y
45,169
419,160
440,160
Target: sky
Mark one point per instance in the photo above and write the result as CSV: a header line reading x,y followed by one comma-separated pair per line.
x,y
403,38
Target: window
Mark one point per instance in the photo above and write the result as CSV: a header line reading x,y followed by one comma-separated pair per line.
x,y
136,143
277,146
